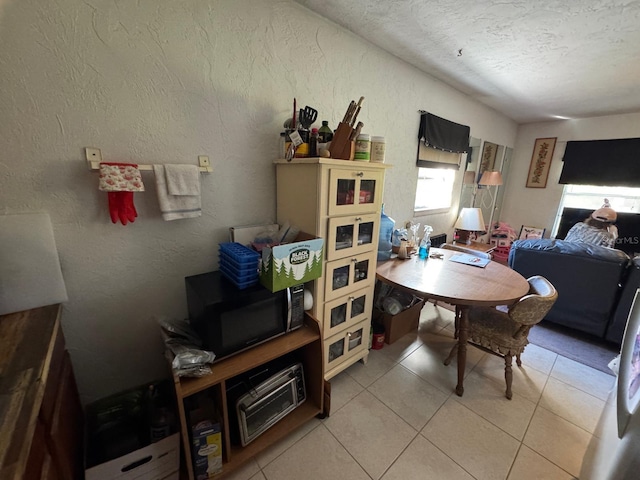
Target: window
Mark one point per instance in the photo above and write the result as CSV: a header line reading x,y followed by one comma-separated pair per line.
x,y
435,188
622,199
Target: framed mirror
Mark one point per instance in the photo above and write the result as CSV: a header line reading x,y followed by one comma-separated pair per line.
x,y
469,179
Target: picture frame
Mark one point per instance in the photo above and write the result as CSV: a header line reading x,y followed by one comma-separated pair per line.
x,y
487,158
531,233
541,162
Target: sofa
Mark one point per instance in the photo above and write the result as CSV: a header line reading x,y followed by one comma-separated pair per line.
x,y
596,285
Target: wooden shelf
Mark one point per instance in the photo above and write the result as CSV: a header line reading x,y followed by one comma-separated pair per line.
x,y
240,363
307,341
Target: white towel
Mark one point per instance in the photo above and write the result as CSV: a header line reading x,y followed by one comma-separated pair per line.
x,y
175,207
182,179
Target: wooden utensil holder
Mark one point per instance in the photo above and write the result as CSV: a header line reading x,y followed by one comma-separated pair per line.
x,y
341,143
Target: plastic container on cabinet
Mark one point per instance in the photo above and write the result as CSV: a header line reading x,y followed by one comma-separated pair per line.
x,y
387,225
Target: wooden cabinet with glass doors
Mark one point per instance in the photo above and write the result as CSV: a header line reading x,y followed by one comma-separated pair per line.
x,y
340,201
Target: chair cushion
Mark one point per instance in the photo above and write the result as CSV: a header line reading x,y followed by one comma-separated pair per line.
x,y
494,330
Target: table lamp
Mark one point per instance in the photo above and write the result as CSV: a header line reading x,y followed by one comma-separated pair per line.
x,y
470,220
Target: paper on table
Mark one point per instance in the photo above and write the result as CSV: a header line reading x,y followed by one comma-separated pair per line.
x,y
470,260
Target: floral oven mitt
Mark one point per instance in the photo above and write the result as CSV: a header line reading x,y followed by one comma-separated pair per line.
x,y
120,180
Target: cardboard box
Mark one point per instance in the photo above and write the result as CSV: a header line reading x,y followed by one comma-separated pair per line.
x,y
157,461
206,449
118,436
396,326
287,265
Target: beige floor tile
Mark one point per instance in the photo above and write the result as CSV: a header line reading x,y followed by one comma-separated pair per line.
x,y
527,381
531,466
411,397
539,358
487,398
427,362
607,426
343,389
572,404
558,440
587,379
478,446
258,476
422,460
402,347
265,457
377,365
371,432
245,472
318,456
433,319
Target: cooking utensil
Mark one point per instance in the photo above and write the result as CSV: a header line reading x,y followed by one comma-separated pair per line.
x,y
357,111
293,122
311,115
347,115
357,131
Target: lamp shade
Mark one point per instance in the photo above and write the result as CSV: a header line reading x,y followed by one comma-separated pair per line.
x,y
491,178
470,219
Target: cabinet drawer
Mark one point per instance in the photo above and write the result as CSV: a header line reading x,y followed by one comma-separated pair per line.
x,y
346,311
351,235
347,275
354,190
346,344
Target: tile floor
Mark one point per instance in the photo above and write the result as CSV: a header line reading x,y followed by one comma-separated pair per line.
x,y
397,418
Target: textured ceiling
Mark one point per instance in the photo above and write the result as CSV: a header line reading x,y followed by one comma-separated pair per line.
x,y
533,60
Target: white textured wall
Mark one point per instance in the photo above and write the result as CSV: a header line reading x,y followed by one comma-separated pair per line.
x,y
539,206
162,82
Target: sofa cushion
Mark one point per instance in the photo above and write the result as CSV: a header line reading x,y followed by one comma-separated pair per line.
x,y
587,278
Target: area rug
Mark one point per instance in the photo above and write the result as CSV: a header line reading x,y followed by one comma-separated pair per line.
x,y
581,347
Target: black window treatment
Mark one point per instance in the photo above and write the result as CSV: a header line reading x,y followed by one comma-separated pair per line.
x,y
613,163
440,142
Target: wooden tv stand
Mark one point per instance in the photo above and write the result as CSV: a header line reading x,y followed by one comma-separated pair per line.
x,y
307,342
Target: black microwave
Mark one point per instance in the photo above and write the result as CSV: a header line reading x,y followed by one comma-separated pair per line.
x,y
229,320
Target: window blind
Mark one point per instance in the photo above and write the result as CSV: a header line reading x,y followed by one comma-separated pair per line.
x,y
440,142
602,162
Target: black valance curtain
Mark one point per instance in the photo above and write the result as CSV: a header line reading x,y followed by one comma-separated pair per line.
x,y
613,163
440,141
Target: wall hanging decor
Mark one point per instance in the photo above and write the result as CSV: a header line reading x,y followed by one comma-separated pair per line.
x,y
540,162
531,233
488,158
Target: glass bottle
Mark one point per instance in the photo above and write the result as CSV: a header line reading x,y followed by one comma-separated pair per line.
x,y
325,133
159,416
387,224
313,143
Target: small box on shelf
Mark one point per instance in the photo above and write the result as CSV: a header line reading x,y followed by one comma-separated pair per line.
x,y
291,264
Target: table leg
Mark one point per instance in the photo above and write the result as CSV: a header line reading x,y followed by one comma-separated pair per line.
x,y
462,347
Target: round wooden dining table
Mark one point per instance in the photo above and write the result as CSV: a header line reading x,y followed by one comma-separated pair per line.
x,y
456,283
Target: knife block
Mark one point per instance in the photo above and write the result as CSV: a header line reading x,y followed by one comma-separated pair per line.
x,y
341,144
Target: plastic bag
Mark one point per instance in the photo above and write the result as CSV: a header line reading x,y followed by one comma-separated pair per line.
x,y
189,359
